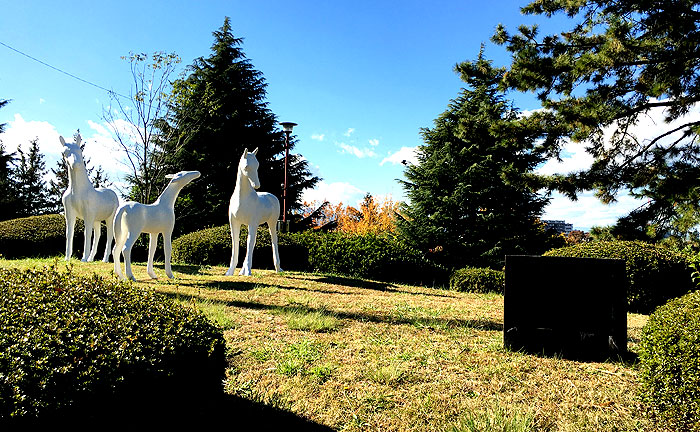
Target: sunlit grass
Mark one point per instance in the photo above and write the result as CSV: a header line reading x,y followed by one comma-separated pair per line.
x,y
390,357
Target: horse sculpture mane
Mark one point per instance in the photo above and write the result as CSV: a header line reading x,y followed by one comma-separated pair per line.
x,y
252,208
82,200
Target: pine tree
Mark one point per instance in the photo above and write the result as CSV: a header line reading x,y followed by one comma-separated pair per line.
x,y
219,109
33,194
9,201
617,63
471,201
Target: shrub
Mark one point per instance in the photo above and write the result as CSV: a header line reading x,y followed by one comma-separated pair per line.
x,y
80,347
37,236
382,257
669,350
478,280
212,246
655,274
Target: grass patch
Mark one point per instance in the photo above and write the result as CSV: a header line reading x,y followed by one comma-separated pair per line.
x,y
353,357
303,318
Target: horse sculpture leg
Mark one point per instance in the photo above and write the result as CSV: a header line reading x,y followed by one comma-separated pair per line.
x,y
235,232
70,227
272,226
167,251
152,244
96,233
88,220
110,236
250,246
130,240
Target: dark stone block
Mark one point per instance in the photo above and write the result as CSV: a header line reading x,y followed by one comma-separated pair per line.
x,y
573,307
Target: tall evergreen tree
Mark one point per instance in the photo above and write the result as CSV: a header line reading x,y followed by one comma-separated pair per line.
x,y
8,186
471,199
33,194
218,110
616,63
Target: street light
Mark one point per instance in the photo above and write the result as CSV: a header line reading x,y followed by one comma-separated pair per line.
x,y
287,128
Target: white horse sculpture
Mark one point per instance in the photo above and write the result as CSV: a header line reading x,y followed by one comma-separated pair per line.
x,y
133,218
252,209
82,200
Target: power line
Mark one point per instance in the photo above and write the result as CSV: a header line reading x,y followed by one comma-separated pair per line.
x,y
64,72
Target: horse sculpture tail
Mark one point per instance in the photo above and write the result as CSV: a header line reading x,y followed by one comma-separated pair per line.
x,y
120,230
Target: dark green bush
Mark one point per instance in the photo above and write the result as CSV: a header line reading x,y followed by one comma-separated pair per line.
x,y
478,280
381,257
81,347
212,246
37,236
655,274
669,353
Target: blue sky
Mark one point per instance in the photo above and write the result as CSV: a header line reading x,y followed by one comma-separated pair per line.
x,y
360,78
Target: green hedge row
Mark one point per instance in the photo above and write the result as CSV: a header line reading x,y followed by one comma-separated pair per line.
x,y
38,236
381,257
669,353
82,347
478,280
45,236
655,274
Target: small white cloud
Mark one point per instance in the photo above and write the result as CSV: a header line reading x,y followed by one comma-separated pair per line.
x,y
374,142
407,155
41,101
335,193
349,132
318,137
356,151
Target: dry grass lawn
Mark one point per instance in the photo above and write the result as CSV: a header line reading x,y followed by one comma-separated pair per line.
x,y
363,355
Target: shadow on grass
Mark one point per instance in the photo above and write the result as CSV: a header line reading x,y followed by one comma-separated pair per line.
x,y
417,321
362,283
196,412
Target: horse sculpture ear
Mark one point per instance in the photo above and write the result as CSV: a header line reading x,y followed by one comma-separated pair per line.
x,y
255,152
63,142
245,152
78,140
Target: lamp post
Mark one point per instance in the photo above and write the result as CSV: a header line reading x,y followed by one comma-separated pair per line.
x,y
287,128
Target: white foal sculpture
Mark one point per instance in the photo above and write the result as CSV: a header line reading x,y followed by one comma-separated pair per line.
x,y
82,200
133,218
251,208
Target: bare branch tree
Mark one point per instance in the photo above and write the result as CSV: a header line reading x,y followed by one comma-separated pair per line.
x,y
137,124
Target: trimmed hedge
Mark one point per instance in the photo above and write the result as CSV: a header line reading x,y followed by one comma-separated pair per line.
x,y
655,274
38,236
76,347
478,280
381,257
45,236
669,350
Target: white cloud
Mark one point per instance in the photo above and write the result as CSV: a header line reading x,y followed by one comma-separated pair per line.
x,y
349,132
20,132
356,151
573,158
41,101
374,142
335,193
318,137
588,211
406,154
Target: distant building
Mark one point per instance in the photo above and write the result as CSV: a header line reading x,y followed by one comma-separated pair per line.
x,y
559,226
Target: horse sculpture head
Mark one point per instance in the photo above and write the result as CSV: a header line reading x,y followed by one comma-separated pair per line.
x,y
72,152
248,167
